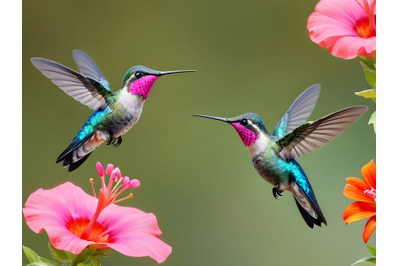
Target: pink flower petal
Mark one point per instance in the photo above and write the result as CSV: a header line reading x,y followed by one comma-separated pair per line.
x,y
143,245
50,210
119,219
334,26
134,232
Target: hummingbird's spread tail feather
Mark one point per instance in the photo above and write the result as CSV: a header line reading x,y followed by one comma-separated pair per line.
x,y
310,220
73,165
79,150
308,205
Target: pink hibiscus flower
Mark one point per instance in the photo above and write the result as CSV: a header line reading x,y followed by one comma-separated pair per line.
x,y
346,28
75,220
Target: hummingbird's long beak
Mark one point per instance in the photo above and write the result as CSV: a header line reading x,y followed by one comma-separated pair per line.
x,y
162,73
213,117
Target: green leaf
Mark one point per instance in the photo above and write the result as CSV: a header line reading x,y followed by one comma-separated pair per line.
x,y
58,253
88,256
85,264
65,256
369,260
371,93
71,257
34,258
372,120
368,64
30,254
372,250
39,263
95,261
370,76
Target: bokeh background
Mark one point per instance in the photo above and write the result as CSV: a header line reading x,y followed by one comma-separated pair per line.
x,y
196,175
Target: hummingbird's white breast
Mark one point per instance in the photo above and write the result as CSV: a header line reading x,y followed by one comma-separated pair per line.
x,y
259,146
130,107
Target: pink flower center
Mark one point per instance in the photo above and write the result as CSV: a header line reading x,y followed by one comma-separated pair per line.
x,y
98,235
89,229
371,192
366,27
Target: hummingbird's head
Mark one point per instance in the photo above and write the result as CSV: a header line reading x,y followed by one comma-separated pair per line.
x,y
249,126
139,79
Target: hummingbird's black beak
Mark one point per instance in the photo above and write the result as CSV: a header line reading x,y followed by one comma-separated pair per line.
x,y
162,73
213,117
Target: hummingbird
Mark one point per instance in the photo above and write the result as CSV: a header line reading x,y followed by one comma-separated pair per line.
x,y
114,112
273,156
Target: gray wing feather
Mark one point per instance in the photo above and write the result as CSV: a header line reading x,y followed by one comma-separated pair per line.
x,y
88,68
319,132
71,82
299,111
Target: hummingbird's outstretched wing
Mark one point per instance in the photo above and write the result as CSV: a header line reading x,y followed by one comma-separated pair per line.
x,y
310,136
298,112
85,90
88,68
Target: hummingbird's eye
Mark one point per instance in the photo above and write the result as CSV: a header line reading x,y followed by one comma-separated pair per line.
x,y
139,74
244,122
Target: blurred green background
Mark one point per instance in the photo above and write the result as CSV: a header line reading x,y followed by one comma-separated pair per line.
x,y
196,175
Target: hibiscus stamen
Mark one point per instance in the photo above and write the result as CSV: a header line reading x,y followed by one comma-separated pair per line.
x,y
371,192
127,197
108,194
109,169
92,182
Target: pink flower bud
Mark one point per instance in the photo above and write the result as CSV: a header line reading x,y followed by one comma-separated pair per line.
x,y
115,174
126,181
109,169
134,183
100,169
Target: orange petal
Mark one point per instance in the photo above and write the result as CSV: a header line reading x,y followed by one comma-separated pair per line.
x,y
356,193
369,228
359,210
358,183
369,174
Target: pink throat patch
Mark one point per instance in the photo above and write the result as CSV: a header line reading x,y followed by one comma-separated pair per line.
x,y
143,85
248,137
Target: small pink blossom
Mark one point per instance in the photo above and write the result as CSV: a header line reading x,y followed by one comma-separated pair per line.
x,y
346,28
75,220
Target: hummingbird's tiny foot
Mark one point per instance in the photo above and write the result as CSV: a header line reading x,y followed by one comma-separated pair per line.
x,y
276,192
111,140
119,141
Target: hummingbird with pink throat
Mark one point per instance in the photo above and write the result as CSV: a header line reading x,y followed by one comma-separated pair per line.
x,y
115,113
274,155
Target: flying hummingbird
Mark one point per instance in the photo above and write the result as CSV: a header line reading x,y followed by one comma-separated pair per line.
x,y
274,155
114,113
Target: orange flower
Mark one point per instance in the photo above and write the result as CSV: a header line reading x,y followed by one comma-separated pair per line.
x,y
364,192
